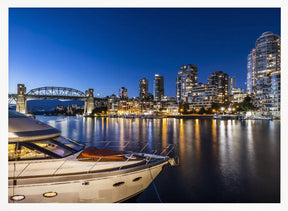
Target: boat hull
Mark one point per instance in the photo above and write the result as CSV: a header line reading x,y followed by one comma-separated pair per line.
x,y
89,188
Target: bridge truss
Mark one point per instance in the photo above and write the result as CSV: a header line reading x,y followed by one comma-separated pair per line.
x,y
56,92
51,92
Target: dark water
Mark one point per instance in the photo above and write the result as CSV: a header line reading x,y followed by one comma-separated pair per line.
x,y
220,161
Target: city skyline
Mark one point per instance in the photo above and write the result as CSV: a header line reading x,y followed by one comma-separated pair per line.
x,y
106,49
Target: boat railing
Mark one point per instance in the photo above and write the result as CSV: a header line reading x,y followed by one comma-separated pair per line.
x,y
164,153
131,147
160,153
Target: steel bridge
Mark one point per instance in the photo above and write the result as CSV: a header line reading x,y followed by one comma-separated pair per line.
x,y
51,92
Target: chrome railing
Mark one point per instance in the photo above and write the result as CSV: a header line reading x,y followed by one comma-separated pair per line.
x,y
127,151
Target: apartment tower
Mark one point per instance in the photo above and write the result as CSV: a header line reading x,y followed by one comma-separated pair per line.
x,y
267,73
251,72
186,79
158,88
143,89
220,80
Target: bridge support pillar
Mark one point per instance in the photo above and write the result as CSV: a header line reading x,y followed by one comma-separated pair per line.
x,y
89,102
21,105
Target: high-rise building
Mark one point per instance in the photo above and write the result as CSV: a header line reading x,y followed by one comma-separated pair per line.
x,y
143,89
158,87
231,84
187,78
251,72
220,80
202,96
123,93
237,96
267,73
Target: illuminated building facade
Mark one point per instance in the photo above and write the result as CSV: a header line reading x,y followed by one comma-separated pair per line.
x,y
143,89
158,87
251,72
267,73
220,80
237,95
187,78
231,84
123,93
202,96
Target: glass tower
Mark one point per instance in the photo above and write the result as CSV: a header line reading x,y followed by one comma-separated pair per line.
x,y
231,84
158,87
186,79
251,72
267,73
220,80
143,89
123,93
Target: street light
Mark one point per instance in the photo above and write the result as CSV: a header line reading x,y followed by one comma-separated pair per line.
x,y
222,109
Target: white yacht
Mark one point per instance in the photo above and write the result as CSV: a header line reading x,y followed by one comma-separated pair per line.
x,y
45,167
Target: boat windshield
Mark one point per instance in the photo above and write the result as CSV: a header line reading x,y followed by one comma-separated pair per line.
x,y
15,114
69,143
54,147
42,149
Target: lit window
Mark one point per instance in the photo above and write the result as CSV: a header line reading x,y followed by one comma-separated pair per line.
x,y
53,147
22,152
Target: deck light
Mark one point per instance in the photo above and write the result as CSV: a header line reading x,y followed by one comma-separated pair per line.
x,y
50,194
17,197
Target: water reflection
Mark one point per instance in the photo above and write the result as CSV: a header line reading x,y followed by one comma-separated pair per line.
x,y
181,141
102,124
164,132
150,135
107,126
221,161
250,148
197,139
214,138
88,124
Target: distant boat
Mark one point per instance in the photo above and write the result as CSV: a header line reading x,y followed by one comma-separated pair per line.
x,y
216,116
225,116
263,118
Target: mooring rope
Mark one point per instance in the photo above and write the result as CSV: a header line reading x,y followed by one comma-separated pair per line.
x,y
155,188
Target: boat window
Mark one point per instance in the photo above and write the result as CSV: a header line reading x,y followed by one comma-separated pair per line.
x,y
69,143
53,147
11,151
24,153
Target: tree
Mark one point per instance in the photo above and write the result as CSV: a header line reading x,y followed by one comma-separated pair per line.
x,y
99,110
246,105
202,111
215,106
209,111
183,108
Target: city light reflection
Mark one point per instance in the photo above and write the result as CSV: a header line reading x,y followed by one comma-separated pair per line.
x,y
107,126
197,139
250,147
102,125
150,135
122,139
130,129
164,132
214,137
181,140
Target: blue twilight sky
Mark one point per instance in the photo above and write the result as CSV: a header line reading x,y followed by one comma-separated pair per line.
x,y
107,48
